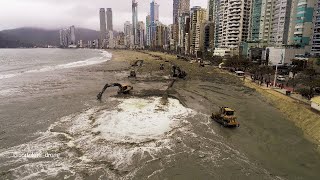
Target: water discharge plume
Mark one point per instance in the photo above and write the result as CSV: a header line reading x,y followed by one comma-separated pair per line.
x,y
138,120
134,130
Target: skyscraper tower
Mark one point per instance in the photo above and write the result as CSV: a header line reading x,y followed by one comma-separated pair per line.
x,y
135,22
179,7
103,28
210,10
128,34
198,17
280,23
302,20
109,19
72,35
148,22
154,17
154,11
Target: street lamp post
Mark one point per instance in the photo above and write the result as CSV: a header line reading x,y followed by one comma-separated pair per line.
x,y
275,76
276,73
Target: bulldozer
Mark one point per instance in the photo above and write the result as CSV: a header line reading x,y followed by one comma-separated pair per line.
x,y
132,74
226,117
123,89
161,66
177,72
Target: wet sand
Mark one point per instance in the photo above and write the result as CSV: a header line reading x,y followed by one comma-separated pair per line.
x,y
300,113
266,146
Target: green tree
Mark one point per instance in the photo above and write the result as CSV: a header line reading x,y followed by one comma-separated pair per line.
x,y
318,62
310,79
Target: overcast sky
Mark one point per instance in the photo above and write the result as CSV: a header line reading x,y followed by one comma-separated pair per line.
x,y
53,14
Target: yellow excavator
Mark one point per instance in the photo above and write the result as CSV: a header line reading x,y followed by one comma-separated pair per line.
x,y
123,89
226,117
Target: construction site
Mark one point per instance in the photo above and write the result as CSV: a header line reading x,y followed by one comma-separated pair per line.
x,y
150,115
266,133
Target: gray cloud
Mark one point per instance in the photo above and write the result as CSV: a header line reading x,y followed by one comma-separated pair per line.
x,y
52,14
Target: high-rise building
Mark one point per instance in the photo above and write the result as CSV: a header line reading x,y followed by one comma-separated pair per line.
x,y
148,35
103,26
111,40
161,36
216,20
109,20
141,34
212,27
302,23
128,34
183,29
234,17
198,19
135,22
209,31
315,50
64,37
121,39
255,20
261,21
179,7
292,22
154,18
280,22
72,35
154,11
211,10
187,35
68,37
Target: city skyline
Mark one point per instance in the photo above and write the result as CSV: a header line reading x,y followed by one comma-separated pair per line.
x,y
81,14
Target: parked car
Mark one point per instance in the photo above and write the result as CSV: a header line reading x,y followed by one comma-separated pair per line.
x,y
281,78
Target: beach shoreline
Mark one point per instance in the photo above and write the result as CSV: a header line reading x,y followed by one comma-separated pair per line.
x,y
194,147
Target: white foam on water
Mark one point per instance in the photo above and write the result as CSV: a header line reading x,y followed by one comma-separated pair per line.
x,y
106,56
127,137
139,120
96,60
133,131
5,76
9,92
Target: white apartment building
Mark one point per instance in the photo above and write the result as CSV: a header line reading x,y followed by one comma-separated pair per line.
x,y
233,22
128,41
281,21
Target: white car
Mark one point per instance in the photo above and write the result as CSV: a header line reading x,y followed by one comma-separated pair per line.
x,y
281,78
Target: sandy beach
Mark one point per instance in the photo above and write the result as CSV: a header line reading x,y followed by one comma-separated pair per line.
x,y
159,131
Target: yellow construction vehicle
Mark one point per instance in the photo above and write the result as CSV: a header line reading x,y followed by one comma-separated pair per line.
x,y
226,117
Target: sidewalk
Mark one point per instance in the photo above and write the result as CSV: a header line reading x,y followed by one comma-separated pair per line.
x,y
294,96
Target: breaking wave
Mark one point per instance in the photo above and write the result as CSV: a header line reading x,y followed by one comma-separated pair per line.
x,y
96,60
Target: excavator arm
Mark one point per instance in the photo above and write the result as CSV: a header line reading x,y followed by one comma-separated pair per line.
x,y
122,89
99,96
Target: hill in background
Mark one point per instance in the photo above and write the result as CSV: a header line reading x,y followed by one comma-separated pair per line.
x,y
29,37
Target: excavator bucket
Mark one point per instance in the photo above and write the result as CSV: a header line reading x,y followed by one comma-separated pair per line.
x,y
122,89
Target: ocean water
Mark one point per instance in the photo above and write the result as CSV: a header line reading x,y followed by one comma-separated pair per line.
x,y
18,62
